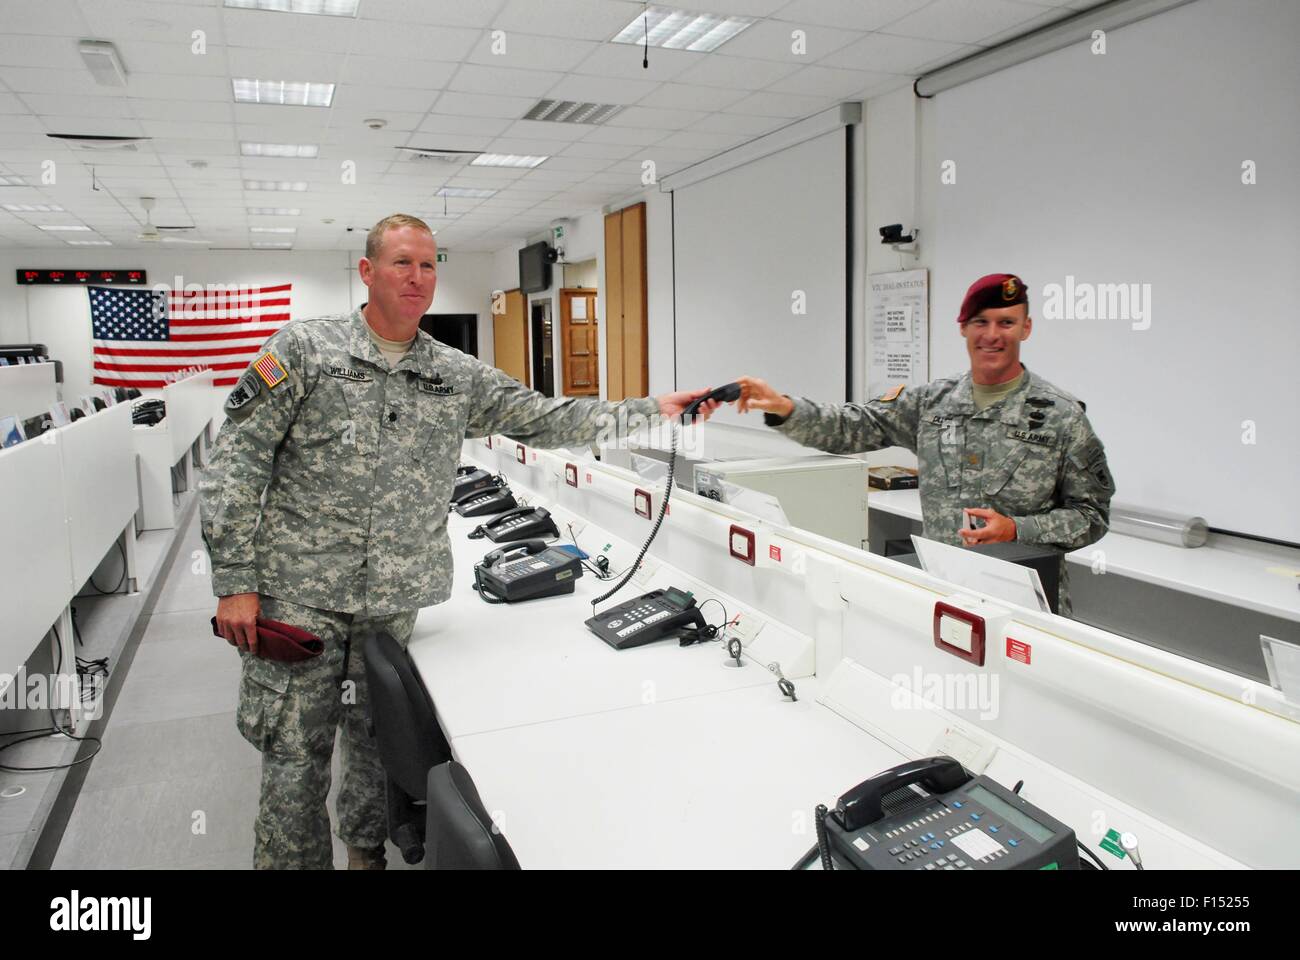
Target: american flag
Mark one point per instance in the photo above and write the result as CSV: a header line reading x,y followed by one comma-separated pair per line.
x,y
146,338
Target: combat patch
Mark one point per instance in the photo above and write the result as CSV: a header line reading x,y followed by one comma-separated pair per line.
x,y
248,387
347,373
892,394
269,369
1032,436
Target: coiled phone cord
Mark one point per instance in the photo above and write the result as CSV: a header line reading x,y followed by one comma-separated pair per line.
x,y
663,509
823,845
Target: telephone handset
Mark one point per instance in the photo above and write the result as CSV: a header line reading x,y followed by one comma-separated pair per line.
x,y
650,617
520,523
526,571
934,814
487,503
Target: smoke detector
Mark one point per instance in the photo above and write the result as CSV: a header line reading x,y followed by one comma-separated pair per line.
x,y
375,123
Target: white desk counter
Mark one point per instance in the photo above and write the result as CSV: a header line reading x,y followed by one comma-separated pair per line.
x,y
490,666
1232,571
722,781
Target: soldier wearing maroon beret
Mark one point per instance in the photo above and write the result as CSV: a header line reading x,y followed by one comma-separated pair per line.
x,y
1002,454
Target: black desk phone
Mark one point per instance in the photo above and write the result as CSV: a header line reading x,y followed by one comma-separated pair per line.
x,y
650,617
521,523
475,481
487,503
526,571
934,814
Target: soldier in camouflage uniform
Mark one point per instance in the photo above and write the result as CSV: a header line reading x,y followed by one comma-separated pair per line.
x,y
997,443
354,444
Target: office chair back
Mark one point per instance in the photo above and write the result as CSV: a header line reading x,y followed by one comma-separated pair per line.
x,y
406,728
459,834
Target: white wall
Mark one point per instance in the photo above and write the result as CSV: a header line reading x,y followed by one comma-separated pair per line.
x,y
582,274
323,283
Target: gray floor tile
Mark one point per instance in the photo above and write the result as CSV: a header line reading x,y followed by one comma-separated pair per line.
x,y
170,681
178,822
184,625
189,747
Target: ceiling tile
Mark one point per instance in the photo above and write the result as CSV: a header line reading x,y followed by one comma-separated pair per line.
x,y
598,90
964,21
882,53
736,123
736,72
605,151
651,118
410,40
472,78
624,61
543,130
261,63
54,18
682,96
290,31
850,14
774,40
440,123
412,74
451,13
581,19
526,51
483,105
793,107
380,101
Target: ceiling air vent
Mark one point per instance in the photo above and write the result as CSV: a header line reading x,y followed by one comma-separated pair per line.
x,y
89,141
434,155
569,111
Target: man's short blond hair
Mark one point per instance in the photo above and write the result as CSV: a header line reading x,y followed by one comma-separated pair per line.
x,y
375,238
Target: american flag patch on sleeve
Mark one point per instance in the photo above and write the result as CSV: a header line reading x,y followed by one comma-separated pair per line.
x,y
269,369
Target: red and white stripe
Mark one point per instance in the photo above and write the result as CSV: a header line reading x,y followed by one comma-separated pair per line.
x,y
222,332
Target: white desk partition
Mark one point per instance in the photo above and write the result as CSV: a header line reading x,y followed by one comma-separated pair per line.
x,y
100,488
27,389
167,444
189,409
35,563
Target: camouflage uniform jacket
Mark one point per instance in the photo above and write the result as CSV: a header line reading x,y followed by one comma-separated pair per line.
x,y
1032,456
356,463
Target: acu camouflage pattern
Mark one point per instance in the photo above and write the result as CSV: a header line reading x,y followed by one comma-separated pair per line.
x,y
358,461
1032,456
290,712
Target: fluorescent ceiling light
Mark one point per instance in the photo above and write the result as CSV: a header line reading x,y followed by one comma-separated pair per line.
x,y
464,192
272,244
101,59
275,211
12,182
273,229
326,8
506,160
301,150
89,243
34,208
297,186
292,93
679,30
57,228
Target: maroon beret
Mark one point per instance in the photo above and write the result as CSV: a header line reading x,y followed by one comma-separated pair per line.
x,y
991,292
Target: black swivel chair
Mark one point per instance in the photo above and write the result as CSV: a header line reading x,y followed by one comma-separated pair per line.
x,y
459,834
404,725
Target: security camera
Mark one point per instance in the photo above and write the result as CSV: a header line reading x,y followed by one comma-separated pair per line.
x,y
893,233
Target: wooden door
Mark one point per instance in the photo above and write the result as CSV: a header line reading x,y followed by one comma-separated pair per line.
x,y
510,336
626,319
580,346
614,306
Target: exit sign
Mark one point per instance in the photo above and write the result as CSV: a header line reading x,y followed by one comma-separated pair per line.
x,y
442,256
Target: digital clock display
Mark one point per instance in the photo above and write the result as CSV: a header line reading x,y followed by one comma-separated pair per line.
x,y
28,277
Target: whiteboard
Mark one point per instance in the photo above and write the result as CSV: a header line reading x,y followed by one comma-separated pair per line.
x,y
1127,168
759,258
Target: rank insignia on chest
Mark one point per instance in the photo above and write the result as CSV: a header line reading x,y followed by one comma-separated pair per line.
x,y
1033,436
347,373
269,369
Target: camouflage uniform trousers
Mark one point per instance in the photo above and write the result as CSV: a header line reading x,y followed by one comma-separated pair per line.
x,y
290,712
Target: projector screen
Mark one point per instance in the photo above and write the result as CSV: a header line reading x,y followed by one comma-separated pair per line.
x,y
760,265
1149,198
